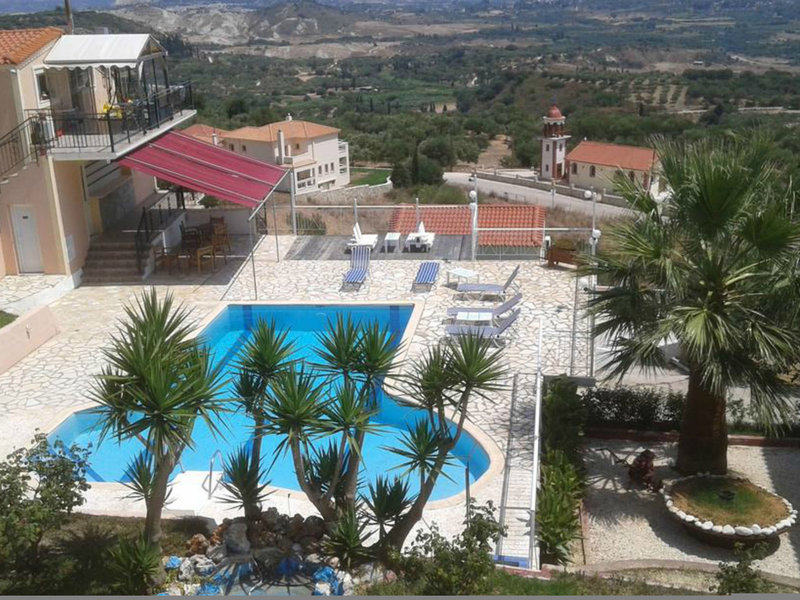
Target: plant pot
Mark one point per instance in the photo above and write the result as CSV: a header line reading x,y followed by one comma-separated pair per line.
x,y
556,256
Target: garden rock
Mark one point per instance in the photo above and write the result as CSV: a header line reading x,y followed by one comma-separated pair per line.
x,y
296,527
717,529
728,530
347,585
236,538
171,563
203,565
198,544
217,552
756,529
270,517
192,589
314,526
745,531
268,557
322,588
706,525
186,570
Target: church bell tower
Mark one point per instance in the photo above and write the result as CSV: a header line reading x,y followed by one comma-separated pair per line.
x,y
554,145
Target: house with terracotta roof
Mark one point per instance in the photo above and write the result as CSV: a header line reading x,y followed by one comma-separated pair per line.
x,y
318,160
70,107
596,164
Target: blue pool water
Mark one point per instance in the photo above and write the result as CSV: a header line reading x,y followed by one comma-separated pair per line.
x,y
226,335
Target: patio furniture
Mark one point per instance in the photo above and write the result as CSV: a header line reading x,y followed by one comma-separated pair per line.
x,y
205,252
169,257
426,275
359,266
391,239
420,239
490,289
220,231
493,333
465,314
460,273
370,240
220,243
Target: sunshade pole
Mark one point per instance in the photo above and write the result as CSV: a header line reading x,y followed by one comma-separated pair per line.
x,y
292,197
253,259
275,222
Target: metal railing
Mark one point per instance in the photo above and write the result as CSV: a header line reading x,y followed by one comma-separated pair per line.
x,y
17,148
153,219
58,130
210,478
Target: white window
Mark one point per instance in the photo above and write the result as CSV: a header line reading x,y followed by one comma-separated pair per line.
x,y
41,87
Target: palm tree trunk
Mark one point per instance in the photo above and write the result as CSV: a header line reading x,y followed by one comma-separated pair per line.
x,y
155,504
703,443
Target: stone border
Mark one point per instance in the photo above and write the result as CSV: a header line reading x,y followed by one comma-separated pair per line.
x,y
727,532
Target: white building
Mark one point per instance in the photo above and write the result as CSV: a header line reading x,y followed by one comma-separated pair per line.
x,y
554,145
317,158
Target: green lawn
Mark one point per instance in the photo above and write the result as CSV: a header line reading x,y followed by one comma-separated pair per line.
x,y
73,559
6,318
562,584
361,176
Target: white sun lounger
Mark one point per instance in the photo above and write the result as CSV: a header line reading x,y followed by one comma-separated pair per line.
x,y
491,289
362,239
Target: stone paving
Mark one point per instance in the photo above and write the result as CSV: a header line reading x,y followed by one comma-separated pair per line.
x,y
46,386
15,288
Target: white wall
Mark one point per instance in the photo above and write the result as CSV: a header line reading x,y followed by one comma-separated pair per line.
x,y
604,177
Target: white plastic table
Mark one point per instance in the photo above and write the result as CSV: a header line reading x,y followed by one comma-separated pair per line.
x,y
460,273
392,239
474,317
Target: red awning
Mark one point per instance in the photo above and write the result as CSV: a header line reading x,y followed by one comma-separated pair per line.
x,y
206,168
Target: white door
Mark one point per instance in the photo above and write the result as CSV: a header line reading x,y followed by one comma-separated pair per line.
x,y
26,239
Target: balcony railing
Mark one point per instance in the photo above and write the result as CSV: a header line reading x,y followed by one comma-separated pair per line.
x,y
343,147
60,130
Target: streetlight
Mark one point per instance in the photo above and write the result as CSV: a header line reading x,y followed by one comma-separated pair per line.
x,y
592,195
473,205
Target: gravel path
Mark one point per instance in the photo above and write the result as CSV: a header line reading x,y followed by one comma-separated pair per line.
x,y
626,523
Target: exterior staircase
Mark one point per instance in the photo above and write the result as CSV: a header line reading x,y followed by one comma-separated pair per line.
x,y
112,260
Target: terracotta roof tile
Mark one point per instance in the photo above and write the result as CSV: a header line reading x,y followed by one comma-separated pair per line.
x,y
292,130
17,45
455,220
614,155
204,132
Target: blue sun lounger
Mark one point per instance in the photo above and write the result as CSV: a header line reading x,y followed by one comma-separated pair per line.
x,y
359,266
426,276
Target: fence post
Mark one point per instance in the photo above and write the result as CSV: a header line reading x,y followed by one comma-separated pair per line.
x,y
355,210
292,199
110,133
473,206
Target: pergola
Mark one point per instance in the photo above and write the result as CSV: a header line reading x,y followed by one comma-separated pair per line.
x,y
202,167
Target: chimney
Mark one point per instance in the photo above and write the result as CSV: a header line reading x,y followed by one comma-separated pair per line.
x,y
214,138
281,146
68,15
288,116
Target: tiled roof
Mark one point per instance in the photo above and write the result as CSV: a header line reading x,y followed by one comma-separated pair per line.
x,y
292,130
203,132
614,155
17,45
456,220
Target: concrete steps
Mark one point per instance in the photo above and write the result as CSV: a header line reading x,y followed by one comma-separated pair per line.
x,y
112,260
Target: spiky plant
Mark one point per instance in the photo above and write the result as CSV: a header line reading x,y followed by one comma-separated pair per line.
x,y
245,483
158,382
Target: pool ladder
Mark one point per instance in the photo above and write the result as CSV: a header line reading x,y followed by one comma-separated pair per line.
x,y
210,478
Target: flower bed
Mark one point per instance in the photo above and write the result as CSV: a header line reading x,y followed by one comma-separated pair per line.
x,y
724,510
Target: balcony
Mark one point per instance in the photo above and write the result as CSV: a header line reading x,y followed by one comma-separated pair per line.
x,y
73,135
299,160
343,148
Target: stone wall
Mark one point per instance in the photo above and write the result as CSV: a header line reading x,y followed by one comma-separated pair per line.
x,y
564,190
346,195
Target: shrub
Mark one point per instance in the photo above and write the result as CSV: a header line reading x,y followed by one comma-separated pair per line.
x,y
741,577
557,522
436,566
39,488
563,418
135,566
643,408
346,541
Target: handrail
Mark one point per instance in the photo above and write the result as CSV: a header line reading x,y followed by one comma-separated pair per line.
x,y
210,477
146,229
17,146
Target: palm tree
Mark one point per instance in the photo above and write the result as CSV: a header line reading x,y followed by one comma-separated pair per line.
x,y
717,273
265,356
158,382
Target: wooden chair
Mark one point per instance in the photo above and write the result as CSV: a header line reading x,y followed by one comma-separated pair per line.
x,y
169,257
220,236
220,243
203,252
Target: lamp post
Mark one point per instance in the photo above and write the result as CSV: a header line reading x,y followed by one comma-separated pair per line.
x,y
592,195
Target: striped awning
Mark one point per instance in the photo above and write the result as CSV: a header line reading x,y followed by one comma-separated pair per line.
x,y
203,167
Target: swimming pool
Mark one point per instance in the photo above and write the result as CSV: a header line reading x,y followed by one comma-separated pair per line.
x,y
225,335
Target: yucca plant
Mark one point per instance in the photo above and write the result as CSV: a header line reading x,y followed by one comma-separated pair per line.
x,y
718,272
157,383
134,566
347,540
139,478
266,355
245,484
387,501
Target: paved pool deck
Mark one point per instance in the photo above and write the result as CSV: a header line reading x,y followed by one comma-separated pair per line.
x,y
55,380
